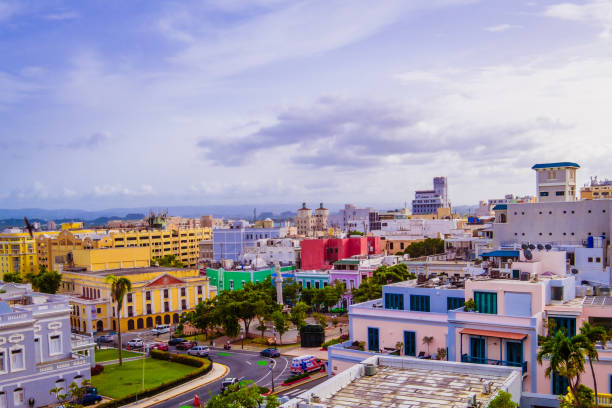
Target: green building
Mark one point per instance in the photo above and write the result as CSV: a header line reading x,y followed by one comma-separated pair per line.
x,y
234,280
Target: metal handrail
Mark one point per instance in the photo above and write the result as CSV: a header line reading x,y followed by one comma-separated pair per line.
x,y
478,360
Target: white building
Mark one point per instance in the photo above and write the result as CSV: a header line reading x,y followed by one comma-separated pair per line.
x,y
352,218
266,252
416,228
556,181
428,201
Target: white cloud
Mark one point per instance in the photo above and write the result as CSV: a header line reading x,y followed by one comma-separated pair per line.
x,y
597,12
501,27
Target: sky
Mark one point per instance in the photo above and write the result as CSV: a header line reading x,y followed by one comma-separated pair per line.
x,y
115,103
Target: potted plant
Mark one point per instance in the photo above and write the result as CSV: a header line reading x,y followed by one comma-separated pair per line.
x,y
469,305
441,353
399,346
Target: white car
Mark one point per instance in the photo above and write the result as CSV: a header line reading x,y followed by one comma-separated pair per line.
x,y
135,343
200,351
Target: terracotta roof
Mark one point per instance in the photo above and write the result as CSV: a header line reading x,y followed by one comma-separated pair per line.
x,y
492,333
165,280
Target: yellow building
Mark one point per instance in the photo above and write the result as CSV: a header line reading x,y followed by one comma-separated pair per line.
x,y
101,259
18,253
159,295
183,243
596,191
71,225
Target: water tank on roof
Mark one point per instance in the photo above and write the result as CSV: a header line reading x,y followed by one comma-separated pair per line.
x,y
590,241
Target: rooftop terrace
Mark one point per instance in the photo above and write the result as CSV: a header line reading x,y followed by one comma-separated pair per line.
x,y
409,382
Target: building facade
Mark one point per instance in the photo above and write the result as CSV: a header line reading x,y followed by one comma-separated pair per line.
x,y
309,224
317,254
351,218
159,295
236,279
428,201
17,253
36,347
556,181
596,190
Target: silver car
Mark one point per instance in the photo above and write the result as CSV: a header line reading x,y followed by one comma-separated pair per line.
x,y
200,351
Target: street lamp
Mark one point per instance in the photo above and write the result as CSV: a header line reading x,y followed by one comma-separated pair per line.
x,y
272,372
242,341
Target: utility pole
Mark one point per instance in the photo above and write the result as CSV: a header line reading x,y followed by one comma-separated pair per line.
x,y
272,373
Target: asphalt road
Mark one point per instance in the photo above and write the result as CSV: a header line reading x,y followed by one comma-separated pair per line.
x,y
243,366
294,392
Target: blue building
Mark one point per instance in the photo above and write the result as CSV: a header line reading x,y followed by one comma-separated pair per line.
x,y
230,243
312,279
37,350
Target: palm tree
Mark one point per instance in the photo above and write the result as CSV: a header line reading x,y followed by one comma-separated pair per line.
x,y
119,287
566,356
594,334
428,340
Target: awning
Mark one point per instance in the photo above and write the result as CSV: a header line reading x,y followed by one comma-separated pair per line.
x,y
504,253
492,333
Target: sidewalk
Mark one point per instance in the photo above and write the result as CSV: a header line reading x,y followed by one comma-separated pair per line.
x,y
108,362
218,371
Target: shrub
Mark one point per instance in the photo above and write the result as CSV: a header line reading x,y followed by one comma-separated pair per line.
x,y
264,390
344,337
178,358
335,321
469,305
160,355
296,377
260,340
339,310
97,369
331,342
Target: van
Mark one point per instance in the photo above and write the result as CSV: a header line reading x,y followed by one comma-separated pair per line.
x,y
161,328
306,363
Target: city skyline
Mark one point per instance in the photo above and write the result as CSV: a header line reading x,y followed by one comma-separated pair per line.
x,y
108,105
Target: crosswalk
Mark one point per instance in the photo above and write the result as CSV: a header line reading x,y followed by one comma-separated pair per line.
x,y
294,392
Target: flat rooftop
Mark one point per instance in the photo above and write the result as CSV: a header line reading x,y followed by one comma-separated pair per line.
x,y
409,382
134,271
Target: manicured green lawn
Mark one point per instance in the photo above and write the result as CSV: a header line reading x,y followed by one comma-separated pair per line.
x,y
117,382
113,354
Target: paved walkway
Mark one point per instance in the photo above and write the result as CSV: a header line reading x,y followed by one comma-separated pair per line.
x,y
218,371
108,362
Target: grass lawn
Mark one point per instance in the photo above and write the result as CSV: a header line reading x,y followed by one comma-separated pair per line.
x,y
117,382
113,354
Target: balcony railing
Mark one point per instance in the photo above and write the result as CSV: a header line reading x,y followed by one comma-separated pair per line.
x,y
75,360
477,360
604,400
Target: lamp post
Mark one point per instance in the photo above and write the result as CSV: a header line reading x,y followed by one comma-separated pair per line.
x,y
272,372
242,341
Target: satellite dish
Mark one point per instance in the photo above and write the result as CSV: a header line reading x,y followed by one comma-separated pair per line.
x,y
524,246
540,247
574,271
528,255
548,247
531,246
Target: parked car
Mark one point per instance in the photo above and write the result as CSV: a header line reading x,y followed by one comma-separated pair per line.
x,y
186,345
270,352
175,340
227,382
135,343
90,397
200,351
105,338
306,364
159,346
161,328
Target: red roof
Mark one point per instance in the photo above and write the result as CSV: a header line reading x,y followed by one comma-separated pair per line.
x,y
165,280
493,333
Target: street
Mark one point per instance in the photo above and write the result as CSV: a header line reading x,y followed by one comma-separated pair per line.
x,y
244,365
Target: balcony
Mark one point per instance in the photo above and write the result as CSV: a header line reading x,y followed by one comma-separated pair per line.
x,y
75,360
477,360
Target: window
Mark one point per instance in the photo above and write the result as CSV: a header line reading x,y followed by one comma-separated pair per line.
x,y
559,193
486,302
373,344
61,385
390,245
231,284
3,403
317,284
559,384
307,284
148,295
149,309
543,193
199,290
598,260
55,344
410,343
453,303
590,259
394,301
3,367
182,291
166,293
567,324
183,304
18,396
17,360
130,311
352,281
419,303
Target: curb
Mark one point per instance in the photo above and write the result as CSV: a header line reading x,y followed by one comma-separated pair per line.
x,y
295,385
226,370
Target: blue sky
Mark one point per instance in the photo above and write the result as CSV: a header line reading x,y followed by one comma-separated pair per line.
x,y
135,103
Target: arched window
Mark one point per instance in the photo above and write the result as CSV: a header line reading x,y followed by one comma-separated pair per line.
x,y
130,324
140,323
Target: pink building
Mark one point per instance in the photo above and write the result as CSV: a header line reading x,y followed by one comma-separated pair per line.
x,y
322,253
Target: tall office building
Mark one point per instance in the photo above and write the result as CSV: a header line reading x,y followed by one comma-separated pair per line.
x,y
428,201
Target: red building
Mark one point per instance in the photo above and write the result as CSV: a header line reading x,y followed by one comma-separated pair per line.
x,y
322,253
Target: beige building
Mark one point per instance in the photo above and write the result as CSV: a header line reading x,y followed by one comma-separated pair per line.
x,y
596,190
556,181
310,225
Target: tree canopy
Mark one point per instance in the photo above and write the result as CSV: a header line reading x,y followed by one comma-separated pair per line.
x,y
244,396
45,281
430,246
372,288
169,261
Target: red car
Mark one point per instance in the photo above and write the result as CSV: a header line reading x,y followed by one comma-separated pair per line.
x,y
186,345
160,346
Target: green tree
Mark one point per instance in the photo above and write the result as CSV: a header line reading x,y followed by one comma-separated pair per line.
x,y
331,296
291,290
321,319
14,277
298,315
503,399
203,317
45,281
594,335
566,357
169,261
355,232
263,312
586,396
372,288
428,340
244,396
119,287
430,246
307,295
281,324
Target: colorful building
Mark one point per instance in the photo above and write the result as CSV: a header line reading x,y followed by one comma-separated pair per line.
x,y
596,190
37,350
159,295
231,243
322,253
101,259
426,316
312,279
236,279
18,253
182,243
